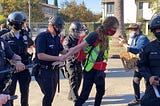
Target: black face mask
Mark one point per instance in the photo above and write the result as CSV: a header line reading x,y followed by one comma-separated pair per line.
x,y
157,35
57,31
17,26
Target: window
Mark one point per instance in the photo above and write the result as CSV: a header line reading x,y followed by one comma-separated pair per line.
x,y
110,7
140,5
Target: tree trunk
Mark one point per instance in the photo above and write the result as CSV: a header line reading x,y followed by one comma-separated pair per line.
x,y
119,13
56,3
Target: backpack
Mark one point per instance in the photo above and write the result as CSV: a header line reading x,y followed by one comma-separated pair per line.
x,y
81,55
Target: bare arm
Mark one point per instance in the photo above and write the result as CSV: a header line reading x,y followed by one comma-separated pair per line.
x,y
46,57
64,51
16,60
76,49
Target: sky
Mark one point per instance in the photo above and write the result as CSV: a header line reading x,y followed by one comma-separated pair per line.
x,y
93,5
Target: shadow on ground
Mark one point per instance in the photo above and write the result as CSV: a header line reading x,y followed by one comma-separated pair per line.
x,y
120,100
118,72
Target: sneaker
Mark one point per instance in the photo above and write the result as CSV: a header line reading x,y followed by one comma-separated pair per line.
x,y
134,102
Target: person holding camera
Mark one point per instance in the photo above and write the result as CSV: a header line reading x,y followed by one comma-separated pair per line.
x,y
149,65
134,45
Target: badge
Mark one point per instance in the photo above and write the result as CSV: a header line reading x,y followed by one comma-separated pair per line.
x,y
24,37
2,45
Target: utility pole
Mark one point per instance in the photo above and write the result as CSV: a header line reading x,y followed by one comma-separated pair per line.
x,y
29,17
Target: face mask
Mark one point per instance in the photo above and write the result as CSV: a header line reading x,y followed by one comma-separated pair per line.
x,y
110,32
157,34
132,34
57,31
17,27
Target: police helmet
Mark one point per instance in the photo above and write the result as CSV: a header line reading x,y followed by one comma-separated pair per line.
x,y
75,27
57,21
24,16
155,22
15,18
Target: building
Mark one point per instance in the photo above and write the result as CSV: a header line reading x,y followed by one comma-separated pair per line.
x,y
133,10
49,10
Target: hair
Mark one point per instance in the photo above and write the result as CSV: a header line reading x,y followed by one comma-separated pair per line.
x,y
108,23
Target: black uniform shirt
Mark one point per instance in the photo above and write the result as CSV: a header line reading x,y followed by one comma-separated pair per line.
x,y
5,52
19,46
3,31
8,51
46,43
149,60
91,38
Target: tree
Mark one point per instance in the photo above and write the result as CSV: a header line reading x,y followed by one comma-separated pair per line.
x,y
71,11
155,5
19,5
118,12
120,16
56,3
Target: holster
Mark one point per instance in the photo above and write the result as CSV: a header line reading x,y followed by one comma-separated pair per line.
x,y
35,70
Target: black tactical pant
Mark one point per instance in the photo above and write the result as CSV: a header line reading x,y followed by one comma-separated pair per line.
x,y
75,76
47,80
24,79
90,78
136,84
149,98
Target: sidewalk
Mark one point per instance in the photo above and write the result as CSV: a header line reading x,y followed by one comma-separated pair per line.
x,y
119,90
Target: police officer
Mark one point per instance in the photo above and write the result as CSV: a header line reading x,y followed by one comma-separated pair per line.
x,y
73,67
48,48
19,42
7,53
148,64
135,43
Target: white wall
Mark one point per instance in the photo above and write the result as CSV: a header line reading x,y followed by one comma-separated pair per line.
x,y
147,13
130,11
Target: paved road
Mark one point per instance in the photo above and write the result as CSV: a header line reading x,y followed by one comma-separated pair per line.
x,y
118,92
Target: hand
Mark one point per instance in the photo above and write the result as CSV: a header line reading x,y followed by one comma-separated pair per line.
x,y
121,41
62,58
154,81
4,98
19,66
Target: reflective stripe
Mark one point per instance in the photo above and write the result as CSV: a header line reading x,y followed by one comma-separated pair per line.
x,y
93,56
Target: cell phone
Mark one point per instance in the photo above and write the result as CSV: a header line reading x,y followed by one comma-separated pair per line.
x,y
13,97
120,37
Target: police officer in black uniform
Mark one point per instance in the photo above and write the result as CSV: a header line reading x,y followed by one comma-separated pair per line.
x,y
48,48
19,42
149,65
7,53
73,67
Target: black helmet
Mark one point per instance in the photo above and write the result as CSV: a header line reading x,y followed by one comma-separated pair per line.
x,y
75,27
57,21
24,16
155,22
15,18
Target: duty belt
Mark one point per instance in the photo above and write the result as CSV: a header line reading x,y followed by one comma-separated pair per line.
x,y
48,67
